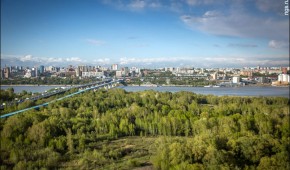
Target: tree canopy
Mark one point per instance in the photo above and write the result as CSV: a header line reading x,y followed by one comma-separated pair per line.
x,y
179,130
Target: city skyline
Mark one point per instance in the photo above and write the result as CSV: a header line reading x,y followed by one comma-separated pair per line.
x,y
147,33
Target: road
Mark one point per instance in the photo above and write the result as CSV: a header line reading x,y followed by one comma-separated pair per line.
x,y
90,86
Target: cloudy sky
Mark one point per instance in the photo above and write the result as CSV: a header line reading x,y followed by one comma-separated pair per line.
x,y
148,33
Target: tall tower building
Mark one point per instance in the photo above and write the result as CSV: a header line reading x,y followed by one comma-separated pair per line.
x,y
115,67
78,71
284,70
33,72
214,76
6,72
2,73
41,69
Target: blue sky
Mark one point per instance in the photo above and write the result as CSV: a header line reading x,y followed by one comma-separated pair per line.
x,y
145,33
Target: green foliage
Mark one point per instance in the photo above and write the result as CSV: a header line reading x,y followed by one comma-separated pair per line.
x,y
191,131
7,95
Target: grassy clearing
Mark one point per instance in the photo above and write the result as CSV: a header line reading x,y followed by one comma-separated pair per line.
x,y
123,153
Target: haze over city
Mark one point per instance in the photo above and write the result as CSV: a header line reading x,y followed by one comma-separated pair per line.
x,y
145,33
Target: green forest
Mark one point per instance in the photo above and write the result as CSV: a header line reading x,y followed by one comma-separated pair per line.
x,y
115,129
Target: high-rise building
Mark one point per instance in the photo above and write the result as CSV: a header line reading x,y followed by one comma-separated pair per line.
x,y
7,72
2,73
125,71
84,68
41,69
115,67
284,70
78,72
33,72
214,76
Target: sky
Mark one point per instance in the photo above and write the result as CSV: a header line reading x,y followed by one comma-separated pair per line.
x,y
145,33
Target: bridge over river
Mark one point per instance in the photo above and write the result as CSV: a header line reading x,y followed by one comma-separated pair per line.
x,y
107,84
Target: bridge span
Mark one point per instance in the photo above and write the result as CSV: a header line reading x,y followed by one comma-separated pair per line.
x,y
82,88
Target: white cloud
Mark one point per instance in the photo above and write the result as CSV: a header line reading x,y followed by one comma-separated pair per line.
x,y
193,61
278,44
213,13
228,60
242,45
155,5
241,61
192,2
203,2
74,59
137,5
238,24
176,7
9,56
148,60
116,3
102,61
30,60
52,60
95,42
26,58
212,61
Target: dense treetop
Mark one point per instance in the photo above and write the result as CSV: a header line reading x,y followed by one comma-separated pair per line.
x,y
179,130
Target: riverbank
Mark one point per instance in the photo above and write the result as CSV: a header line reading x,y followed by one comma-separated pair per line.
x,y
172,85
221,91
33,85
136,85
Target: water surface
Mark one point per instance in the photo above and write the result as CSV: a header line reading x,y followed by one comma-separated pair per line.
x,y
219,91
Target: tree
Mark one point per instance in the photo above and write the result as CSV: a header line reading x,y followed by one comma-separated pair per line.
x,y
70,142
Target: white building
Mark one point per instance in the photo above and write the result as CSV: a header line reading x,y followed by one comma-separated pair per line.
x,y
273,71
236,79
119,74
134,69
115,67
214,76
172,69
27,74
93,74
50,69
284,78
125,71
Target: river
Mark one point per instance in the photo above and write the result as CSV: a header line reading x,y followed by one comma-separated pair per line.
x,y
219,91
31,88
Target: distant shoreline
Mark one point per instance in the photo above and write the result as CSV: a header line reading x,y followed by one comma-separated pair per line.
x,y
171,85
33,85
133,85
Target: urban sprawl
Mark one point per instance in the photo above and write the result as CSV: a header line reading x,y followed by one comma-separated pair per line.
x,y
223,76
